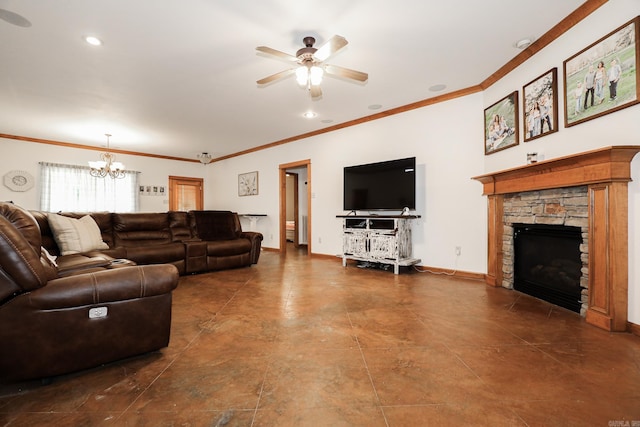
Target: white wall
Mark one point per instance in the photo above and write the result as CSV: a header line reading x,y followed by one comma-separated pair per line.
x,y
25,156
444,140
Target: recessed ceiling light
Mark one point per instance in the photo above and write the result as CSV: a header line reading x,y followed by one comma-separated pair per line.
x,y
94,41
374,107
523,44
309,115
437,88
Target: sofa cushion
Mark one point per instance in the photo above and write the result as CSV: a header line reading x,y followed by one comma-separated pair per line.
x,y
75,236
179,226
156,254
215,225
24,222
20,265
76,262
141,229
222,248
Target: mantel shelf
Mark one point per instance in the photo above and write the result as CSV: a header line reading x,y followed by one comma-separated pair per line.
x,y
610,164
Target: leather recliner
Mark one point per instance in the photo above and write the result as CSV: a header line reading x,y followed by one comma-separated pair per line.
x,y
52,325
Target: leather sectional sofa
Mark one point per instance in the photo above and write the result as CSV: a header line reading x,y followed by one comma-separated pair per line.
x,y
194,241
62,313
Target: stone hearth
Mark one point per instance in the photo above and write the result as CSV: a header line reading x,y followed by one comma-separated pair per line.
x,y
605,174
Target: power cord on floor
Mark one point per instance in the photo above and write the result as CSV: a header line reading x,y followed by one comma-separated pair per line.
x,y
440,273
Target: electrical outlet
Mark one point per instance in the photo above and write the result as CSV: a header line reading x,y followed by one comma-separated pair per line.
x,y
319,239
458,250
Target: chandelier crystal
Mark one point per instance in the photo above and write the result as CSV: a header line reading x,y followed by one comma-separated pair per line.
x,y
107,166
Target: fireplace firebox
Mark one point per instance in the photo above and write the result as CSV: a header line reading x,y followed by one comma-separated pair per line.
x,y
547,263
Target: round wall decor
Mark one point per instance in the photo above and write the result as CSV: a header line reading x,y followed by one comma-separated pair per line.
x,y
18,180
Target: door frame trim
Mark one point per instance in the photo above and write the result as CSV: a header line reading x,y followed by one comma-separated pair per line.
x,y
283,202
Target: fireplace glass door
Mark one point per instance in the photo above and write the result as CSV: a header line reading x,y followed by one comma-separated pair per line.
x,y
547,263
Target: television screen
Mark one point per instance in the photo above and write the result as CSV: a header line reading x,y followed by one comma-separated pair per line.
x,y
389,185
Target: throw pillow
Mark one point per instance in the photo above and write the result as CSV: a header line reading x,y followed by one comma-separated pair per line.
x,y
75,236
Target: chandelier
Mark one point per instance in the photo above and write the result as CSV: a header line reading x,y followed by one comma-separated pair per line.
x,y
107,166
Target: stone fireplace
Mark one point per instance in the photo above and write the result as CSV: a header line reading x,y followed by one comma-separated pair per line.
x,y
599,178
562,208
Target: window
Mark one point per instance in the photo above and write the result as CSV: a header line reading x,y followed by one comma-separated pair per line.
x,y
71,188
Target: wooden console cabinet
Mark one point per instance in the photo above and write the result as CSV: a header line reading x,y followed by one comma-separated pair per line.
x,y
378,239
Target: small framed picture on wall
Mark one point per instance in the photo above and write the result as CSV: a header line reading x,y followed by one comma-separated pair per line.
x,y
540,106
248,184
501,124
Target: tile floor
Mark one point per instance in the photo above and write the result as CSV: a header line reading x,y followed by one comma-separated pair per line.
x,y
301,341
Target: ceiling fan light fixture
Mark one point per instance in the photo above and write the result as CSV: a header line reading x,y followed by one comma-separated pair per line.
x,y
302,75
310,68
315,75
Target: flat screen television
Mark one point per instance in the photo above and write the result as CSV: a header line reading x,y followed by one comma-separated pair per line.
x,y
389,185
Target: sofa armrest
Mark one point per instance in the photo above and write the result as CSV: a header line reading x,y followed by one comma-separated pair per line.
x,y
256,243
105,286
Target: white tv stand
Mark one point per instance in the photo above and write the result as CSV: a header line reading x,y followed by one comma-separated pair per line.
x,y
379,239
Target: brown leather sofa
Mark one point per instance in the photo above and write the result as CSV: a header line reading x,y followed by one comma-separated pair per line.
x,y
53,325
194,241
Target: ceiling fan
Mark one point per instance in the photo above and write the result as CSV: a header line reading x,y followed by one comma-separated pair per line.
x,y
311,66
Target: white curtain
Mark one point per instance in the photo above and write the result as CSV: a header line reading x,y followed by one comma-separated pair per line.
x,y
71,188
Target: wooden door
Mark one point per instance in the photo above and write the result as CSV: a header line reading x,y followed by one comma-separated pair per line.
x,y
185,193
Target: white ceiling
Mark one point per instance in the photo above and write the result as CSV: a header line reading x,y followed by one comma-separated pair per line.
x,y
177,78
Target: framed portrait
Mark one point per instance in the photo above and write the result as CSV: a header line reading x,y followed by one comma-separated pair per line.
x,y
248,184
501,124
603,77
540,106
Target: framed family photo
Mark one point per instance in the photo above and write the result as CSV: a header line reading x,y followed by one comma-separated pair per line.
x,y
540,106
248,184
603,77
501,124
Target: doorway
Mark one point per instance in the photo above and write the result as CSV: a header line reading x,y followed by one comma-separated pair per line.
x,y
292,220
295,215
185,193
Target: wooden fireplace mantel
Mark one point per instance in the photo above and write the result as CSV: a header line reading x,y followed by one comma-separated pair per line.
x,y
606,172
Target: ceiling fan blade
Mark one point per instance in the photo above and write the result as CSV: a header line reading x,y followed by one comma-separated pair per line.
x,y
277,53
346,73
330,48
315,91
277,76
